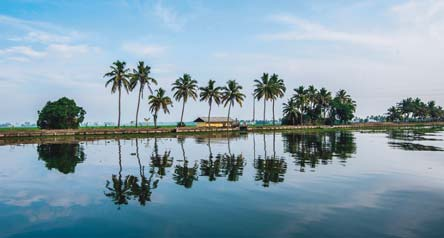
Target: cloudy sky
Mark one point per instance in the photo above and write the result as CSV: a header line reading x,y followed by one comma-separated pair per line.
x,y
378,50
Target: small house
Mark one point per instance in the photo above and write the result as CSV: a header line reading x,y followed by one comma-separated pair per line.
x,y
214,122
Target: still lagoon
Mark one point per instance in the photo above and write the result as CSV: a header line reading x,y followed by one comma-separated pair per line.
x,y
282,184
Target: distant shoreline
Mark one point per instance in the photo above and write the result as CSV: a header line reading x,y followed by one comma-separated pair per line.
x,y
16,136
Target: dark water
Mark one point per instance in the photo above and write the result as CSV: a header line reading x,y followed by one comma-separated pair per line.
x,y
335,184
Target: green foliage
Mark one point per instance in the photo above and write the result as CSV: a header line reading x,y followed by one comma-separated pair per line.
x,y
315,106
415,110
159,101
184,87
61,114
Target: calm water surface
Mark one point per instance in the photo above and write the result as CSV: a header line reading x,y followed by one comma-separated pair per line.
x,y
335,184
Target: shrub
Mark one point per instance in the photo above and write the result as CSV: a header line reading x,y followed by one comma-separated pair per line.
x,y
61,114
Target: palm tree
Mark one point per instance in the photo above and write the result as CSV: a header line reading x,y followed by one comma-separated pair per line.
x,y
119,78
301,99
278,89
141,77
231,93
184,87
324,100
263,90
291,110
157,102
210,93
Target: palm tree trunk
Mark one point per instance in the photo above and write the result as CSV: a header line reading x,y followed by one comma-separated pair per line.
x,y
209,113
302,118
273,112
120,97
228,118
155,120
254,108
265,104
138,105
181,117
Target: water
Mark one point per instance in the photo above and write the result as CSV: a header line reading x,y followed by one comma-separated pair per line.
x,y
335,184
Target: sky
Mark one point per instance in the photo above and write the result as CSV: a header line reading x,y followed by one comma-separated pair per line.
x,y
380,51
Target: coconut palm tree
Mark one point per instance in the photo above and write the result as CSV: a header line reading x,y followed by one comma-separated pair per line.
x,y
301,100
324,100
278,90
184,88
231,93
141,77
263,90
291,110
210,93
119,78
157,102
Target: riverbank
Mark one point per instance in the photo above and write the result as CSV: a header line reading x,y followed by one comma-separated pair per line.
x,y
20,133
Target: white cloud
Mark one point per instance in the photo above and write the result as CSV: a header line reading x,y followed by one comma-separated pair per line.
x,y
169,17
22,51
146,50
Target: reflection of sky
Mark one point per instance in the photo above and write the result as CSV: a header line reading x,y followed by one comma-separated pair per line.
x,y
379,191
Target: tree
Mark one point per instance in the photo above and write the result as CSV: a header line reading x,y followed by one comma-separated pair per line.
x,y
301,100
210,93
324,100
63,157
118,78
343,107
290,111
278,90
141,77
157,102
263,90
184,88
61,114
415,109
231,93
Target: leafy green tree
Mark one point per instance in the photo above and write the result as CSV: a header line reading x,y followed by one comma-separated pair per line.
x,y
118,78
278,90
263,89
415,109
157,102
141,77
301,100
324,100
210,94
290,111
61,114
184,88
232,93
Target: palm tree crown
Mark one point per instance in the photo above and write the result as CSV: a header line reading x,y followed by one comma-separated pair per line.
x,y
184,88
210,93
231,93
159,101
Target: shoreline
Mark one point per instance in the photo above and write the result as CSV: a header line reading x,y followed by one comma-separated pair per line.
x,y
18,136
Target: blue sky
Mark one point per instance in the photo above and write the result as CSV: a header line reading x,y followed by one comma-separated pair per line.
x,y
379,51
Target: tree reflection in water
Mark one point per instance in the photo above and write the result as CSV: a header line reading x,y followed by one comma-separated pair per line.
x,y
312,149
412,139
183,174
62,157
269,168
224,165
159,163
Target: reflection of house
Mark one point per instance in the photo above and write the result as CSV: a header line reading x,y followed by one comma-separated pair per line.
x,y
214,122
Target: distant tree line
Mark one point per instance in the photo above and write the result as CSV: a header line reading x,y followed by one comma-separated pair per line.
x,y
414,109
313,106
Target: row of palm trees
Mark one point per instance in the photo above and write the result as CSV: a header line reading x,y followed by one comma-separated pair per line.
x,y
310,102
415,109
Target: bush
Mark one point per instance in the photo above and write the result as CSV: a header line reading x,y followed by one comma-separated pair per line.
x,y
61,114
181,124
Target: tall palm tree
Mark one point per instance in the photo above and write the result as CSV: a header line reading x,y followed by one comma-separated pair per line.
x,y
312,94
141,77
157,102
119,78
231,93
278,90
210,93
263,90
184,88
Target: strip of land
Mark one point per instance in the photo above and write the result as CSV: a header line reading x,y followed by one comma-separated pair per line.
x,y
20,133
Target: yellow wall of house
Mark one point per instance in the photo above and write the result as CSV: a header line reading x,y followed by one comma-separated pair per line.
x,y
212,124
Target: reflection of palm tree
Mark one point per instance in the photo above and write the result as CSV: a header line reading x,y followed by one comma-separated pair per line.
x,y
184,175
270,170
232,166
143,192
160,162
120,192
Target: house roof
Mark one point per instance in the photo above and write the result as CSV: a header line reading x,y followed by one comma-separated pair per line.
x,y
213,119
